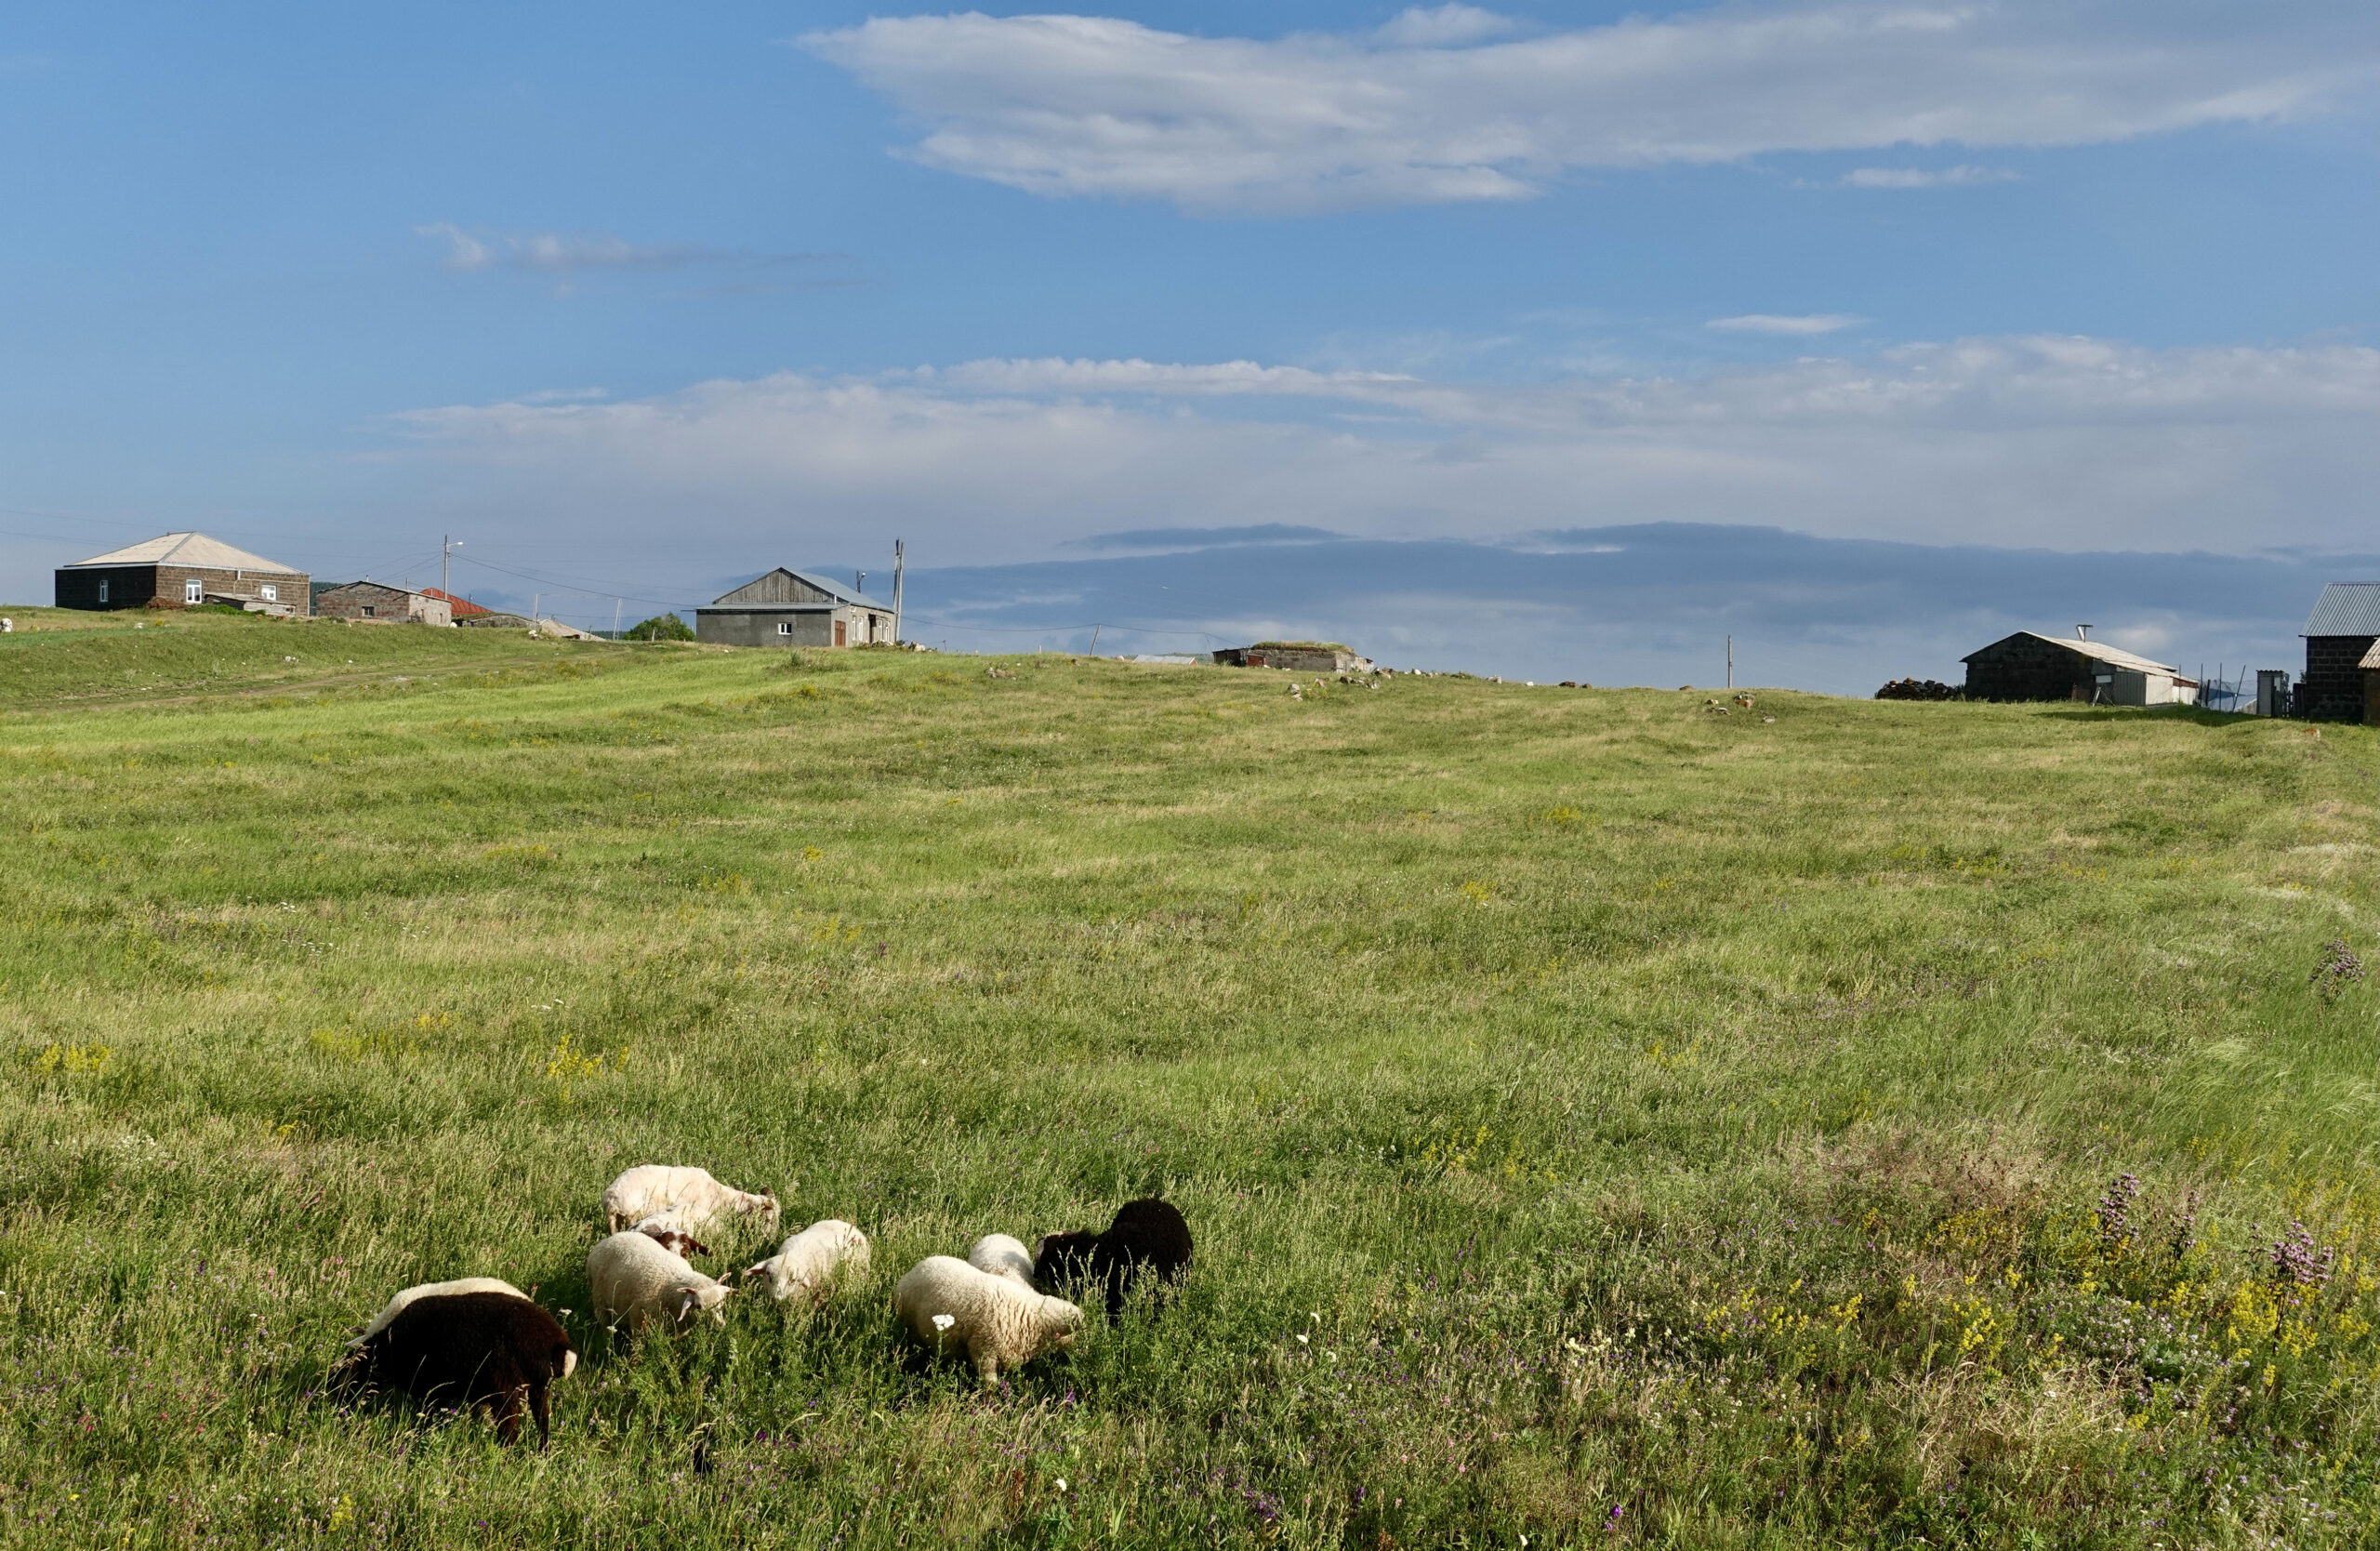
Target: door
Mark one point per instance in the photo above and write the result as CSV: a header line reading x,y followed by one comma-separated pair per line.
x,y
838,632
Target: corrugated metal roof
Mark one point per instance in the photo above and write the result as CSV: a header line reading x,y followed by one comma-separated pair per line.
x,y
857,599
2346,608
185,549
2113,656
843,596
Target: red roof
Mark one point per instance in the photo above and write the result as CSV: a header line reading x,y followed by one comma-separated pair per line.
x,y
459,607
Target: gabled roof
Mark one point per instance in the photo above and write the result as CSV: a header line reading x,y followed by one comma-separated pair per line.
x,y
185,549
834,589
2346,608
2113,656
385,587
459,606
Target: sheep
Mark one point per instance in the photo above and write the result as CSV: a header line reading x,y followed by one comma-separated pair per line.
x,y
1002,1256
995,1321
635,1280
396,1305
1147,1234
491,1348
667,1229
698,1201
809,1259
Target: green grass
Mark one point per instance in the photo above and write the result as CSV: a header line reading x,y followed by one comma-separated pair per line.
x,y
1604,1120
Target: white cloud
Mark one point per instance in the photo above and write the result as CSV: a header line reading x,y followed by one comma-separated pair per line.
x,y
2054,442
1772,322
554,252
1926,178
1437,106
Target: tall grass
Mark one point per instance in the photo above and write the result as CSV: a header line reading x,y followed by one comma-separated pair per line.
x,y
1604,1119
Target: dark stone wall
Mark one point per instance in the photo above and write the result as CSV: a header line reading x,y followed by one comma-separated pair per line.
x,y
2333,682
2026,667
127,587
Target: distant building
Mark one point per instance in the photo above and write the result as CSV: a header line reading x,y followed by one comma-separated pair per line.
x,y
2339,633
2030,666
371,600
1297,657
177,570
794,608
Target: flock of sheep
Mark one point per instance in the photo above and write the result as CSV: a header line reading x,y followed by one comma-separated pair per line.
x,y
482,1342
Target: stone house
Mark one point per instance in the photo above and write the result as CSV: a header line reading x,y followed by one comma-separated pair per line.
x,y
2339,636
176,570
2030,666
1297,657
371,600
795,608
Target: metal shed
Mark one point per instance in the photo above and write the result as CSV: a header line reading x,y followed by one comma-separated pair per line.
x,y
2030,666
794,608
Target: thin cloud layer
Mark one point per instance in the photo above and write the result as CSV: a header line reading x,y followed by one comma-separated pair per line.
x,y
1962,177
559,252
1444,106
1788,325
2063,443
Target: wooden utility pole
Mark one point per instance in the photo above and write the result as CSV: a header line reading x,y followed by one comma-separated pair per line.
x,y
898,555
1731,662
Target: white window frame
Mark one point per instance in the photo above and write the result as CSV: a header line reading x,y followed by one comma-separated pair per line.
x,y
785,627
103,589
193,590
269,592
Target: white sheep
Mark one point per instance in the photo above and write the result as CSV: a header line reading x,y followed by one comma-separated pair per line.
x,y
1002,1256
809,1259
634,1280
949,1303
695,1203
396,1305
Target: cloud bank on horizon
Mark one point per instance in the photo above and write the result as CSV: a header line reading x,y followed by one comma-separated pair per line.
x,y
1457,103
2059,443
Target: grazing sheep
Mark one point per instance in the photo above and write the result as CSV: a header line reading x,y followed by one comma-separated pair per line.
x,y
1002,1256
396,1305
694,1201
809,1259
635,1280
468,1350
666,1230
1148,1234
996,1323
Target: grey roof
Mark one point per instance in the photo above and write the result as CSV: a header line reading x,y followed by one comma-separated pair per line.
x,y
186,549
843,596
2346,608
857,599
2115,657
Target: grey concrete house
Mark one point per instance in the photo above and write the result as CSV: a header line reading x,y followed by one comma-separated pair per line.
x,y
2339,632
794,608
2030,666
176,570
371,600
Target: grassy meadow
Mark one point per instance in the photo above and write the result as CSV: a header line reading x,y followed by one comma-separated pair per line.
x,y
1604,1121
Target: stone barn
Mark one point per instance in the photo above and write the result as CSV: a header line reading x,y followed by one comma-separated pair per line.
x,y
1297,657
177,570
2339,634
794,608
2030,666
371,600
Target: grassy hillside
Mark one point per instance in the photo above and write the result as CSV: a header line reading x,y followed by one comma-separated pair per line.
x,y
1604,1119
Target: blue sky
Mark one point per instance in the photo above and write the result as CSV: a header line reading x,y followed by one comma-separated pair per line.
x,y
640,301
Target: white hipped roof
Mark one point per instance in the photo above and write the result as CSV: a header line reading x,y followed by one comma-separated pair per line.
x,y
185,549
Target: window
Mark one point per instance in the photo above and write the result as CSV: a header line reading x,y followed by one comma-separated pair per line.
x,y
786,629
103,589
193,591
367,611
269,592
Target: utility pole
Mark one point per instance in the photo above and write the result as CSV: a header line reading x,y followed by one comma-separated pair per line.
x,y
535,599
617,603
446,545
1731,662
898,556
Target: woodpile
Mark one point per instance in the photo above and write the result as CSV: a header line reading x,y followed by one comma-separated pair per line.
x,y
1919,689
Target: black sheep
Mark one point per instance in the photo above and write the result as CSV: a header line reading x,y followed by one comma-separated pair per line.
x,y
470,1350
1147,1234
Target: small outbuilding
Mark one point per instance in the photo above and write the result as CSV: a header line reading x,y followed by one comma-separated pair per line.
x,y
794,608
1297,657
2030,666
2339,635
371,600
178,570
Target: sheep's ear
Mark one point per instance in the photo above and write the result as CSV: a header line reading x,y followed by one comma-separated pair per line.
x,y
687,1300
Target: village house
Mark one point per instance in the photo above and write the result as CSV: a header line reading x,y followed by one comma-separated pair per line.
x,y
2030,666
2339,637
177,570
1297,657
371,600
794,608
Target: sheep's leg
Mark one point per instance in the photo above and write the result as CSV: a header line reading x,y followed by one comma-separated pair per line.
x,y
539,1409
507,1401
987,1370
